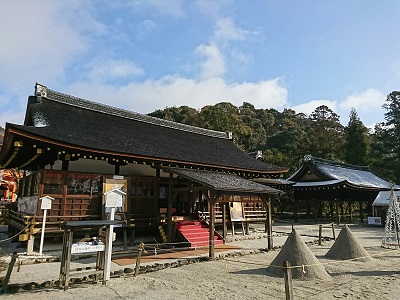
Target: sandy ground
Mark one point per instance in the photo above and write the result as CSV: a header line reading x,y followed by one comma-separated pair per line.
x,y
240,277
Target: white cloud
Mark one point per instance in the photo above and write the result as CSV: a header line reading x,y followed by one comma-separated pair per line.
x,y
211,7
227,30
11,116
213,64
367,100
308,107
368,105
177,91
144,28
108,69
43,40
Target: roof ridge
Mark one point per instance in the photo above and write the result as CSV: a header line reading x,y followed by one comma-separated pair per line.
x,y
43,91
314,159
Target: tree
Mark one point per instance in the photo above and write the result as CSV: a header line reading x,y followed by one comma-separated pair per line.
x,y
288,134
357,142
386,140
183,114
325,134
256,134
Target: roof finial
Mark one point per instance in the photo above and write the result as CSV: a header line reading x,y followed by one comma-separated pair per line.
x,y
308,157
40,90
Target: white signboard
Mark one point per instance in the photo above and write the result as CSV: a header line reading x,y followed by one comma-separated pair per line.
x,y
113,199
374,221
46,202
84,248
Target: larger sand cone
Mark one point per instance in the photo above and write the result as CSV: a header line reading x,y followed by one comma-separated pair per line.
x,y
347,246
297,253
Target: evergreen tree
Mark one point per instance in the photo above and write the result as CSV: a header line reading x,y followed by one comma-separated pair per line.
x,y
357,143
386,140
325,134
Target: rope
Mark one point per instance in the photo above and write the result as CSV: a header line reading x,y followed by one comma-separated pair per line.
x,y
10,238
312,265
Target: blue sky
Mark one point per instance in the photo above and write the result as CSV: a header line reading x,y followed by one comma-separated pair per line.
x,y
151,54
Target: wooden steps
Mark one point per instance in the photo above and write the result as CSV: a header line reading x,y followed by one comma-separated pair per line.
x,y
197,234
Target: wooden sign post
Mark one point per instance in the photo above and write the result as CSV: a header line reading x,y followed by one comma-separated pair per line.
x,y
46,204
114,198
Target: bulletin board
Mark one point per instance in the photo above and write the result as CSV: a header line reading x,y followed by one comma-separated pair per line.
x,y
108,186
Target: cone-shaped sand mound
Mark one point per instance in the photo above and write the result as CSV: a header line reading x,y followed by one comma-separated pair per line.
x,y
297,253
347,246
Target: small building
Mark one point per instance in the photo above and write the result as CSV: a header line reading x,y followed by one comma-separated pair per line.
x,y
75,150
381,203
339,186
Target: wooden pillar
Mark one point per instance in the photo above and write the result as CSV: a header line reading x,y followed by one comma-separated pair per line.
x,y
361,212
350,211
341,210
270,242
296,208
321,210
224,227
337,212
65,164
315,210
212,224
117,169
268,206
169,209
157,192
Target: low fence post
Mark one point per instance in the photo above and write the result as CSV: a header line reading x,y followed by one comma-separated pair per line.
x,y
320,235
139,255
8,275
288,280
333,231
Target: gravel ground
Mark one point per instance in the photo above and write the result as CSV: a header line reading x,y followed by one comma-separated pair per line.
x,y
240,276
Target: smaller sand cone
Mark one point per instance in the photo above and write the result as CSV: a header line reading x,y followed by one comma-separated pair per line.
x,y
347,246
305,264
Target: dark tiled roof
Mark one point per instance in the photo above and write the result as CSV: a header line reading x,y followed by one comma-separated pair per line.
x,y
90,125
354,175
223,181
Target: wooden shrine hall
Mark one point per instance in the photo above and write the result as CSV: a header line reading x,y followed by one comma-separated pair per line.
x,y
339,185
75,150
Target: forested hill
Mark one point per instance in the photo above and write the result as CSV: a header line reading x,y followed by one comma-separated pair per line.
x,y
285,137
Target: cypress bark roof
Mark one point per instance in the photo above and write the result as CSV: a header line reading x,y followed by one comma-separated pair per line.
x,y
223,182
58,118
317,172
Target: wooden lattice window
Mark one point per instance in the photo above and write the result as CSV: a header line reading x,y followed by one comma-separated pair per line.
x,y
53,182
